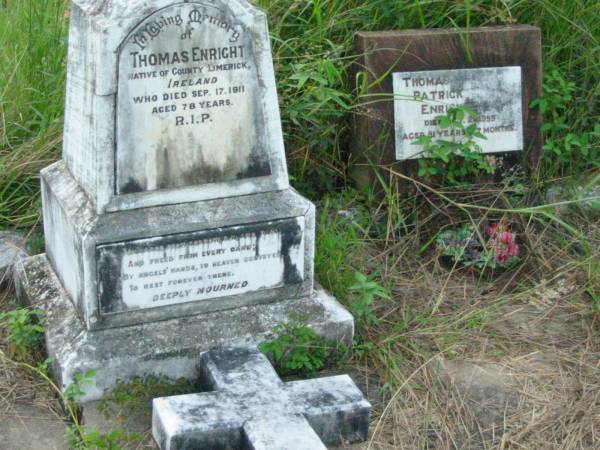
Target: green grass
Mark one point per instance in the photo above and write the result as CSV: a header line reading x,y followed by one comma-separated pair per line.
x,y
312,48
32,68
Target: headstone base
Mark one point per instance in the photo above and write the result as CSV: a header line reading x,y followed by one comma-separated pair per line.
x,y
118,267
166,348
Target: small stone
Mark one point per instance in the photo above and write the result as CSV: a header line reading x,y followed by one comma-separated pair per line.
x,y
13,248
490,392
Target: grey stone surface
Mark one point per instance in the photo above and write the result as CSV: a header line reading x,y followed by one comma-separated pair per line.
x,y
28,427
75,233
162,348
250,407
213,130
13,247
285,431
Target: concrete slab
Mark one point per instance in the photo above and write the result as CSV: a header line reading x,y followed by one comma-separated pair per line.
x,y
27,427
167,348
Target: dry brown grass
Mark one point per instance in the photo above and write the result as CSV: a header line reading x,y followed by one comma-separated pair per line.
x,y
19,385
463,360
472,361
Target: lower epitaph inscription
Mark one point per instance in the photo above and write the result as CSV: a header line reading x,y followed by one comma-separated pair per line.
x,y
181,268
494,93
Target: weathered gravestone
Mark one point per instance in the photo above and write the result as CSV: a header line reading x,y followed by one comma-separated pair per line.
x,y
248,406
170,225
410,77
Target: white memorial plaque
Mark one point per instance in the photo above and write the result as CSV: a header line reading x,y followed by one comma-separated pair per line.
x,y
148,273
494,93
190,104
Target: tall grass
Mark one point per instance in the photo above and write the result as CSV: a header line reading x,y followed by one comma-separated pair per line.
x,y
32,67
313,51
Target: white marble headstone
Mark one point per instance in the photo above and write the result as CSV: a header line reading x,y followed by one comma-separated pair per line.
x,y
171,102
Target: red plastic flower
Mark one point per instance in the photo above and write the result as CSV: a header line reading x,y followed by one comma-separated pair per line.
x,y
501,257
502,241
492,229
507,237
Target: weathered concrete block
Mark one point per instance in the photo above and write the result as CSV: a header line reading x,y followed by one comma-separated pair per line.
x,y
250,407
162,348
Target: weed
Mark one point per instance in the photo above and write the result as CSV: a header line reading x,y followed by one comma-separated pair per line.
x,y
136,395
364,293
298,350
44,366
74,391
475,321
79,437
459,160
339,243
362,350
36,243
117,439
565,149
25,328
595,298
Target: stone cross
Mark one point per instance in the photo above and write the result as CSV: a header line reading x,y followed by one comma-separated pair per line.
x,y
250,407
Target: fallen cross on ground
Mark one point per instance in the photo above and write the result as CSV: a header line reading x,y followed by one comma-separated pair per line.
x,y
250,407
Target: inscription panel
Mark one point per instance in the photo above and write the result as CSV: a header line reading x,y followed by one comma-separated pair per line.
x,y
190,106
494,93
196,266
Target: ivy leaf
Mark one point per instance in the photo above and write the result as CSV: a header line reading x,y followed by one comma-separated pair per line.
x,y
471,130
422,140
444,122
